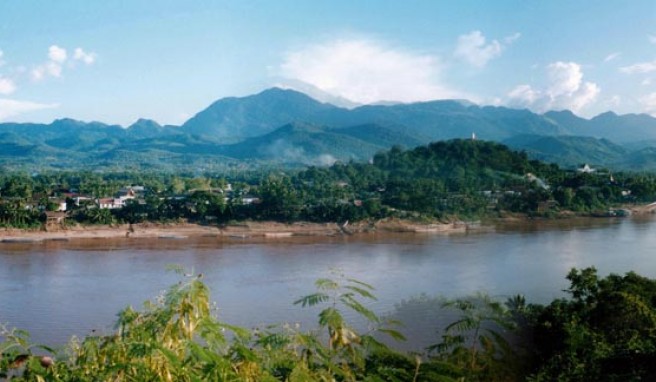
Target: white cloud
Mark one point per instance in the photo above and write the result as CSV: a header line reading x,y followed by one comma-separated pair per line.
x,y
565,89
38,73
648,102
512,38
50,68
612,56
646,82
7,86
564,77
473,49
86,57
524,95
11,108
367,71
613,101
639,68
57,54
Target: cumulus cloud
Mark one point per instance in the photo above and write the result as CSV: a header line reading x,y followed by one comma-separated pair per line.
x,y
57,57
639,68
7,86
524,95
564,89
86,57
57,54
11,108
474,49
367,71
612,56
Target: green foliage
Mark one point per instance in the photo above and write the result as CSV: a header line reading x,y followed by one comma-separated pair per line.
x,y
177,337
443,180
476,344
351,350
607,331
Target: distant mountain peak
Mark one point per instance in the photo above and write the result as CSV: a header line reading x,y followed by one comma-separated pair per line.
x,y
608,114
60,121
564,112
254,115
318,94
143,122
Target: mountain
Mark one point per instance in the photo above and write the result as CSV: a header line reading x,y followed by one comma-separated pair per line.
x,y
624,129
286,126
238,118
569,151
641,160
303,143
233,119
147,128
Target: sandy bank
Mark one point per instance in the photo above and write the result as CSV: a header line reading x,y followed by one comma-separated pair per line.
x,y
245,230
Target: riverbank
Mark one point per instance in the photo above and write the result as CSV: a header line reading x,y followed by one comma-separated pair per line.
x,y
273,230
243,230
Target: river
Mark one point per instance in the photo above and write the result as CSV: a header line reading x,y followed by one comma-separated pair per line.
x,y
59,289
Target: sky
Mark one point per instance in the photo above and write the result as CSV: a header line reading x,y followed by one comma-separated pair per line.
x,y
117,61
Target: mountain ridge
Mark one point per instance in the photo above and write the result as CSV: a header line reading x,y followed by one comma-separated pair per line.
x,y
232,127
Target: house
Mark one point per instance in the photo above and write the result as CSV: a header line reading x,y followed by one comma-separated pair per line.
x,y
248,199
110,203
123,195
131,192
80,199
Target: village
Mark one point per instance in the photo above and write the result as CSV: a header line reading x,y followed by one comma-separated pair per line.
x,y
133,203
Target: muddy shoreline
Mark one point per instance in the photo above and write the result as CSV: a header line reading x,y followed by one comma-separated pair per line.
x,y
265,230
241,230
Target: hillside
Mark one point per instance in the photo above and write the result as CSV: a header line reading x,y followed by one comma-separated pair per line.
x,y
569,150
238,118
288,127
310,144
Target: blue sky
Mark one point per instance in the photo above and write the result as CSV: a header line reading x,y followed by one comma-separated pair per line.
x,y
117,61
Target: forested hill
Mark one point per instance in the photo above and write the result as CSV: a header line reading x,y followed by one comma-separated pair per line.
x,y
456,179
462,177
287,128
443,158
450,166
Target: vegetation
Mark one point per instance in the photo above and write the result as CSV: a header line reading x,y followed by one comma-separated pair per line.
x,y
288,128
444,180
604,331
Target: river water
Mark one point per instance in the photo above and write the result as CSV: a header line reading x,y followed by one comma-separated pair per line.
x,y
59,289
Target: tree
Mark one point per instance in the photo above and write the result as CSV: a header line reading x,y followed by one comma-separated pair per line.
x,y
476,344
607,331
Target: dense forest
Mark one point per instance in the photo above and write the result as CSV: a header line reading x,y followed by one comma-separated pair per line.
x,y
602,331
447,180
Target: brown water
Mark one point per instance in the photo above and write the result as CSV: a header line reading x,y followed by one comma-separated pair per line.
x,y
59,289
